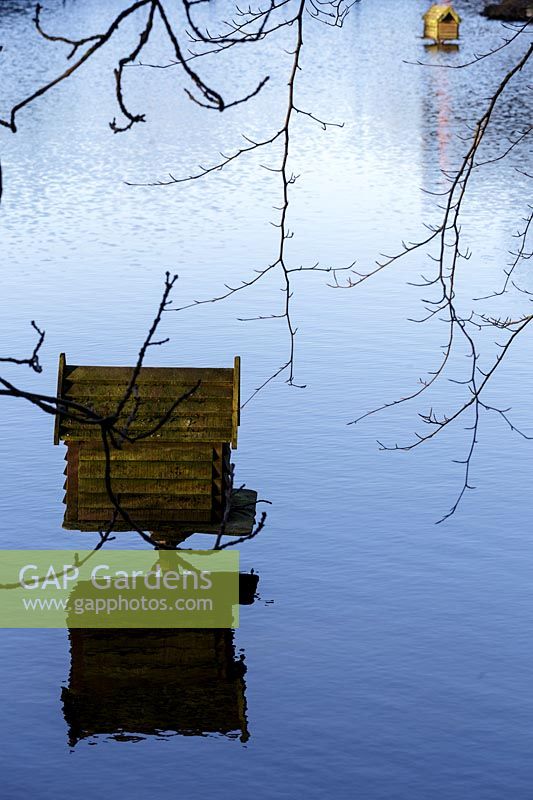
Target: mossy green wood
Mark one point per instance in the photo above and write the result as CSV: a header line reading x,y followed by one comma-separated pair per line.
x,y
163,471
236,404
179,474
183,453
210,414
168,489
240,522
60,373
147,498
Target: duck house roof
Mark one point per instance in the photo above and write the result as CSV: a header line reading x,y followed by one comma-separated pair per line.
x,y
198,404
439,12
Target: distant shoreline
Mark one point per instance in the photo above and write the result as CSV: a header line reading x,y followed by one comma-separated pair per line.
x,y
510,10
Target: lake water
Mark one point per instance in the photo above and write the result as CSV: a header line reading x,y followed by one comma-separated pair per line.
x,y
387,657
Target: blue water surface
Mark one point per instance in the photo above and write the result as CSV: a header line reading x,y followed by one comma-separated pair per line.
x,y
387,657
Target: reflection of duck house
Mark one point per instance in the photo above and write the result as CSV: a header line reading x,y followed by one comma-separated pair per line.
x,y
142,682
174,476
441,23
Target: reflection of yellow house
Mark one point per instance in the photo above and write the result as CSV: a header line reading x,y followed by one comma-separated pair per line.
x,y
441,23
131,684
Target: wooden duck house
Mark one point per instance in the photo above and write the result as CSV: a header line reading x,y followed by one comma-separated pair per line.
x,y
441,23
177,475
